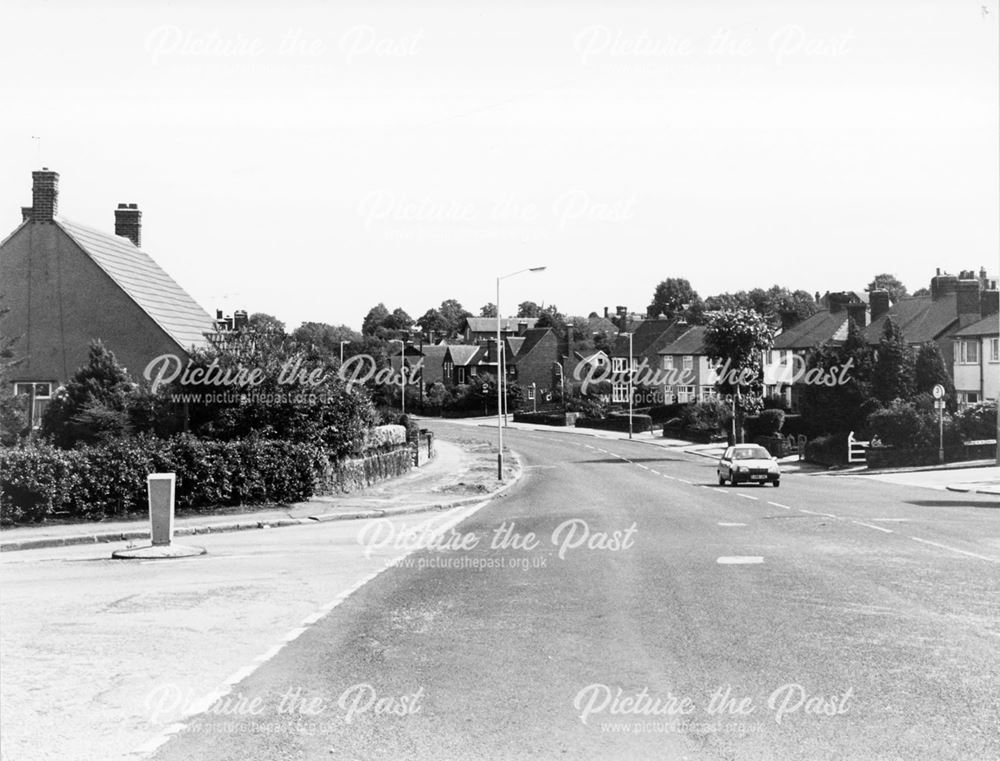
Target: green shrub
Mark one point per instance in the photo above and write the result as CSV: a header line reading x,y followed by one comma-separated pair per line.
x,y
35,481
709,415
977,421
770,421
827,450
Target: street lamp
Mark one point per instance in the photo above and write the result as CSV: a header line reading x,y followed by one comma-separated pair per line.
x,y
342,343
500,378
402,373
631,392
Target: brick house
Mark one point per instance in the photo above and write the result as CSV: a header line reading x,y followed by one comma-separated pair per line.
x,y
67,284
650,336
686,360
536,364
828,326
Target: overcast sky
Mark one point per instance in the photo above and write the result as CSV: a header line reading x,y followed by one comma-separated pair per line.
x,y
314,160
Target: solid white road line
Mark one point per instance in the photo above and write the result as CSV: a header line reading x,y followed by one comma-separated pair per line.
x,y
778,504
740,560
954,549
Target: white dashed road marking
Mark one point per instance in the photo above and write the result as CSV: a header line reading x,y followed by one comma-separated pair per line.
x,y
778,504
953,549
740,560
732,524
747,496
877,528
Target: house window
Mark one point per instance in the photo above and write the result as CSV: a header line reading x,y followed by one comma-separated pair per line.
x,y
460,376
685,394
967,397
688,362
668,362
708,392
531,392
995,350
618,364
619,392
40,394
967,352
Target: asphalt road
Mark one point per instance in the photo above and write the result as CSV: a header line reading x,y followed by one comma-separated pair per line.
x,y
653,615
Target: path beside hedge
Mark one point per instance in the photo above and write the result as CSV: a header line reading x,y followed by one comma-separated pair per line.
x,y
463,472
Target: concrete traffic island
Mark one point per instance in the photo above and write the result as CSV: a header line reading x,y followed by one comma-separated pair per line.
x,y
160,488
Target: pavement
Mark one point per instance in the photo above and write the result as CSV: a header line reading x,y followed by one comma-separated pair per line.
x,y
462,473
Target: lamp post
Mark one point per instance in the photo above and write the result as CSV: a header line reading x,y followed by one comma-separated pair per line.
x,y
402,373
342,343
500,378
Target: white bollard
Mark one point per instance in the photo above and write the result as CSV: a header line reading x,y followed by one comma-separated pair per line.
x,y
160,487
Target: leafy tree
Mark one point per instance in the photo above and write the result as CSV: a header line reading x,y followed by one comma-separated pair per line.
x,y
488,310
769,303
92,406
528,309
893,376
930,369
671,297
843,407
454,315
399,320
737,340
320,340
922,292
13,410
374,320
888,282
551,317
433,322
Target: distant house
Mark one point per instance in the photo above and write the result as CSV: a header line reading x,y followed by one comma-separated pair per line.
x,y
976,356
67,284
955,303
797,340
649,338
536,366
432,364
482,329
687,359
463,363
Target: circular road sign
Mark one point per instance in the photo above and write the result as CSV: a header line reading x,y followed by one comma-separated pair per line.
x,y
938,391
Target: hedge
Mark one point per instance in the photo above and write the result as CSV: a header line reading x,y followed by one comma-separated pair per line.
x,y
640,423
542,418
96,482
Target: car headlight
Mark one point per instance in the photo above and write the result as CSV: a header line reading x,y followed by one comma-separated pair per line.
x,y
740,469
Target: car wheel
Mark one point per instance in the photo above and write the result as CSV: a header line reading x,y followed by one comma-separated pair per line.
x,y
777,484
732,480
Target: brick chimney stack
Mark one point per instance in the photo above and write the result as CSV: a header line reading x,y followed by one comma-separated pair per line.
x,y
858,312
879,301
128,222
968,301
44,195
789,318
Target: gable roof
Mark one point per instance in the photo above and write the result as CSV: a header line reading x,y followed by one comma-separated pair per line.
x,y
148,285
489,324
462,354
601,325
919,318
814,330
514,344
692,341
649,336
531,339
435,353
988,326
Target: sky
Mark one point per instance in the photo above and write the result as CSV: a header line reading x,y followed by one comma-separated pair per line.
x,y
312,159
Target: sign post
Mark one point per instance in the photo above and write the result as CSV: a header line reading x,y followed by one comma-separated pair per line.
x,y
938,393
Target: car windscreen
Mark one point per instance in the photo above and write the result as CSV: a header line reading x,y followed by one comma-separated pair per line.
x,y
752,453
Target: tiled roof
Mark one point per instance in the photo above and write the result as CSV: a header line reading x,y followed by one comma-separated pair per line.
x,y
489,324
649,336
692,341
434,353
156,293
514,344
462,354
531,339
814,330
920,318
988,326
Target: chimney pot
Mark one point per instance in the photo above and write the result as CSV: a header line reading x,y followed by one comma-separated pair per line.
x,y
44,195
858,313
128,223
